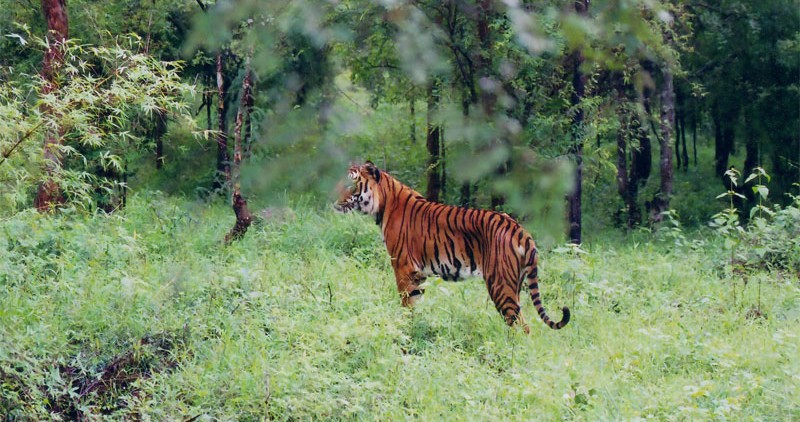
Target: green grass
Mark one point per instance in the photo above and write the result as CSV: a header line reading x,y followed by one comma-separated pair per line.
x,y
300,320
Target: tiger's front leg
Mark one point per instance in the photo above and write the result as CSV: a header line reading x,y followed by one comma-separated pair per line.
x,y
408,280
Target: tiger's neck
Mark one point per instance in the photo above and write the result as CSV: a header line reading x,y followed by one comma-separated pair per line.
x,y
395,198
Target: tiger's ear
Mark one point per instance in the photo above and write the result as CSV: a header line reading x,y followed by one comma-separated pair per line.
x,y
373,171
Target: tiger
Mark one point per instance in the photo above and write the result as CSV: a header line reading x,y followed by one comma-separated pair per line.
x,y
426,238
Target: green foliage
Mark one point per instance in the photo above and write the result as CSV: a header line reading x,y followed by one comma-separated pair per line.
x,y
300,320
770,239
144,314
103,93
744,57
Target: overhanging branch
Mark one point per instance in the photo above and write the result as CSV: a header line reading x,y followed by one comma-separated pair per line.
x,y
27,135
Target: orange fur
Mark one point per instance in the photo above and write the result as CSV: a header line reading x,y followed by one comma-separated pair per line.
x,y
424,238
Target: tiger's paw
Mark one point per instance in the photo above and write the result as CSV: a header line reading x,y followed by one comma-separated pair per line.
x,y
412,298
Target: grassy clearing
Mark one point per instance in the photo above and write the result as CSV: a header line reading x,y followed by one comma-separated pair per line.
x,y
301,320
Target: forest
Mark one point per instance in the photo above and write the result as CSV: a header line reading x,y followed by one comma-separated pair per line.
x,y
169,248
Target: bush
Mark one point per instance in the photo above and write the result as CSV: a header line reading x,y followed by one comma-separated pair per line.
x,y
771,237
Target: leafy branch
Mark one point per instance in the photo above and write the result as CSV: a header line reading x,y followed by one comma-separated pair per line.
x,y
19,141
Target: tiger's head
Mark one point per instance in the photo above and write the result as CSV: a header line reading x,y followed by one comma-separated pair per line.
x,y
363,194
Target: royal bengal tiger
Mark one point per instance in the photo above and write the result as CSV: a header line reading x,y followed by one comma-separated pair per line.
x,y
424,238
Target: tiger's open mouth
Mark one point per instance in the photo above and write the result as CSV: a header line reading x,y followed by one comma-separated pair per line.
x,y
347,201
343,208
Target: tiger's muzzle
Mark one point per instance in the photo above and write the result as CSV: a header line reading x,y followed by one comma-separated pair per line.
x,y
347,200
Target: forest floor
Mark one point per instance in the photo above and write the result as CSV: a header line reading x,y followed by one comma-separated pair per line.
x,y
146,314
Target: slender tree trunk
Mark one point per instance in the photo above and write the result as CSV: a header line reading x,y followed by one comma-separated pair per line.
x,y
751,159
662,198
433,144
223,176
694,135
125,184
750,143
49,193
628,179
466,186
622,159
442,165
723,144
641,154
720,157
677,126
683,141
484,69
412,109
681,154
208,98
159,129
484,59
466,194
248,122
238,202
576,149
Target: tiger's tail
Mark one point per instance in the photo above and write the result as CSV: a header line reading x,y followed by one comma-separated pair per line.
x,y
533,286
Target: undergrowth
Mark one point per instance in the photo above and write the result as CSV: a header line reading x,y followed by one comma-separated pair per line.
x,y
145,314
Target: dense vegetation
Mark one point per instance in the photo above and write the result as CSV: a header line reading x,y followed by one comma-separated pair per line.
x,y
128,130
145,314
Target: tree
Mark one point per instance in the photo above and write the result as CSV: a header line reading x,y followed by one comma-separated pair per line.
x,y
49,194
223,175
634,155
159,130
744,57
578,130
238,202
433,143
667,98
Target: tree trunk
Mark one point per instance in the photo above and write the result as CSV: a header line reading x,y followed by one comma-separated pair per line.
x,y
694,136
248,123
576,149
223,176
412,109
677,126
685,154
125,184
159,129
208,98
49,193
751,159
238,202
641,166
442,165
641,154
466,195
662,197
433,143
628,180
723,145
622,160
484,65
466,186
